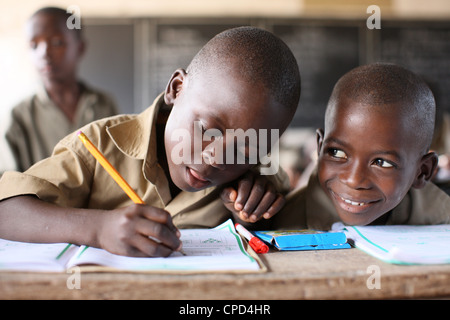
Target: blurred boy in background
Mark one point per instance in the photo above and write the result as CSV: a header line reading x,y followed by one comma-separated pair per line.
x,y
62,104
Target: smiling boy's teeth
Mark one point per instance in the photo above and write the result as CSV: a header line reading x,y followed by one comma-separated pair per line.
x,y
353,202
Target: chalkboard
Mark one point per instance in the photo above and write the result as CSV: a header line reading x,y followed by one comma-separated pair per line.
x,y
325,50
324,54
424,50
176,46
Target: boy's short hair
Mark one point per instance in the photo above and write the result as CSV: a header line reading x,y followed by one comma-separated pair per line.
x,y
260,56
382,84
62,15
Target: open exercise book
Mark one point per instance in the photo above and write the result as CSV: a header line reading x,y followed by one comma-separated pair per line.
x,y
207,250
402,244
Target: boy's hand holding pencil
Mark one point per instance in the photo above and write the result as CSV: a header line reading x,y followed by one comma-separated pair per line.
x,y
140,231
136,230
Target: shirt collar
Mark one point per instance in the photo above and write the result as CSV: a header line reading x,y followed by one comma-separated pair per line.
x,y
136,137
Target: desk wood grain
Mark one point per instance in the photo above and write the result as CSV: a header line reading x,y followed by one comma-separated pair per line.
x,y
326,274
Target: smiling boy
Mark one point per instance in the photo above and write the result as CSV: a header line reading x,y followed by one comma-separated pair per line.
x,y
374,159
244,78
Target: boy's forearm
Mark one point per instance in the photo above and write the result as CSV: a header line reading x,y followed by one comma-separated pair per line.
x,y
126,231
28,219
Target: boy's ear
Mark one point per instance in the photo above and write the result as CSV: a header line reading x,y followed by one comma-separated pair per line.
x,y
426,170
174,86
319,137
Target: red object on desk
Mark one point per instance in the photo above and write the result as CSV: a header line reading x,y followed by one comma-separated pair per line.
x,y
256,243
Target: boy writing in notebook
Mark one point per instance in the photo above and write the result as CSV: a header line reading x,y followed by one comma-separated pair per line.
x,y
244,78
374,162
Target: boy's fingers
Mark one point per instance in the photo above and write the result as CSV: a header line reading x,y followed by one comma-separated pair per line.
x,y
263,206
160,216
228,195
256,194
159,232
146,247
275,207
244,188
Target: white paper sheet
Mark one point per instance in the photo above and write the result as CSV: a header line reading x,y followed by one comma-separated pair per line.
x,y
402,244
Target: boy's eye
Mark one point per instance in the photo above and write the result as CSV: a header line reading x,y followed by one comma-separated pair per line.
x,y
336,153
383,163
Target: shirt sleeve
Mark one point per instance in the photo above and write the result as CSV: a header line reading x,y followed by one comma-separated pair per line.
x,y
429,205
63,179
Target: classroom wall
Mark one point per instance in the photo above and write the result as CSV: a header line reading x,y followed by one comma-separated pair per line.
x,y
325,49
134,45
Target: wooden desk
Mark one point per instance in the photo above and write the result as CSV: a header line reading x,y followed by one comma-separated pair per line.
x,y
327,274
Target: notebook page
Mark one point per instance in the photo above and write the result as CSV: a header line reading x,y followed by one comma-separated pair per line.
x,y
218,249
23,256
404,244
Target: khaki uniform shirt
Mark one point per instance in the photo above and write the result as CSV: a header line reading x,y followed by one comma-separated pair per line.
x,y
36,125
311,208
441,139
72,177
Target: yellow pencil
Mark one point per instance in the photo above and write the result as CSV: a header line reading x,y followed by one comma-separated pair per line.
x,y
113,172
109,168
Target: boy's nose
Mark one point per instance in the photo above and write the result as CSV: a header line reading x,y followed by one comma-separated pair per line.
x,y
356,176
